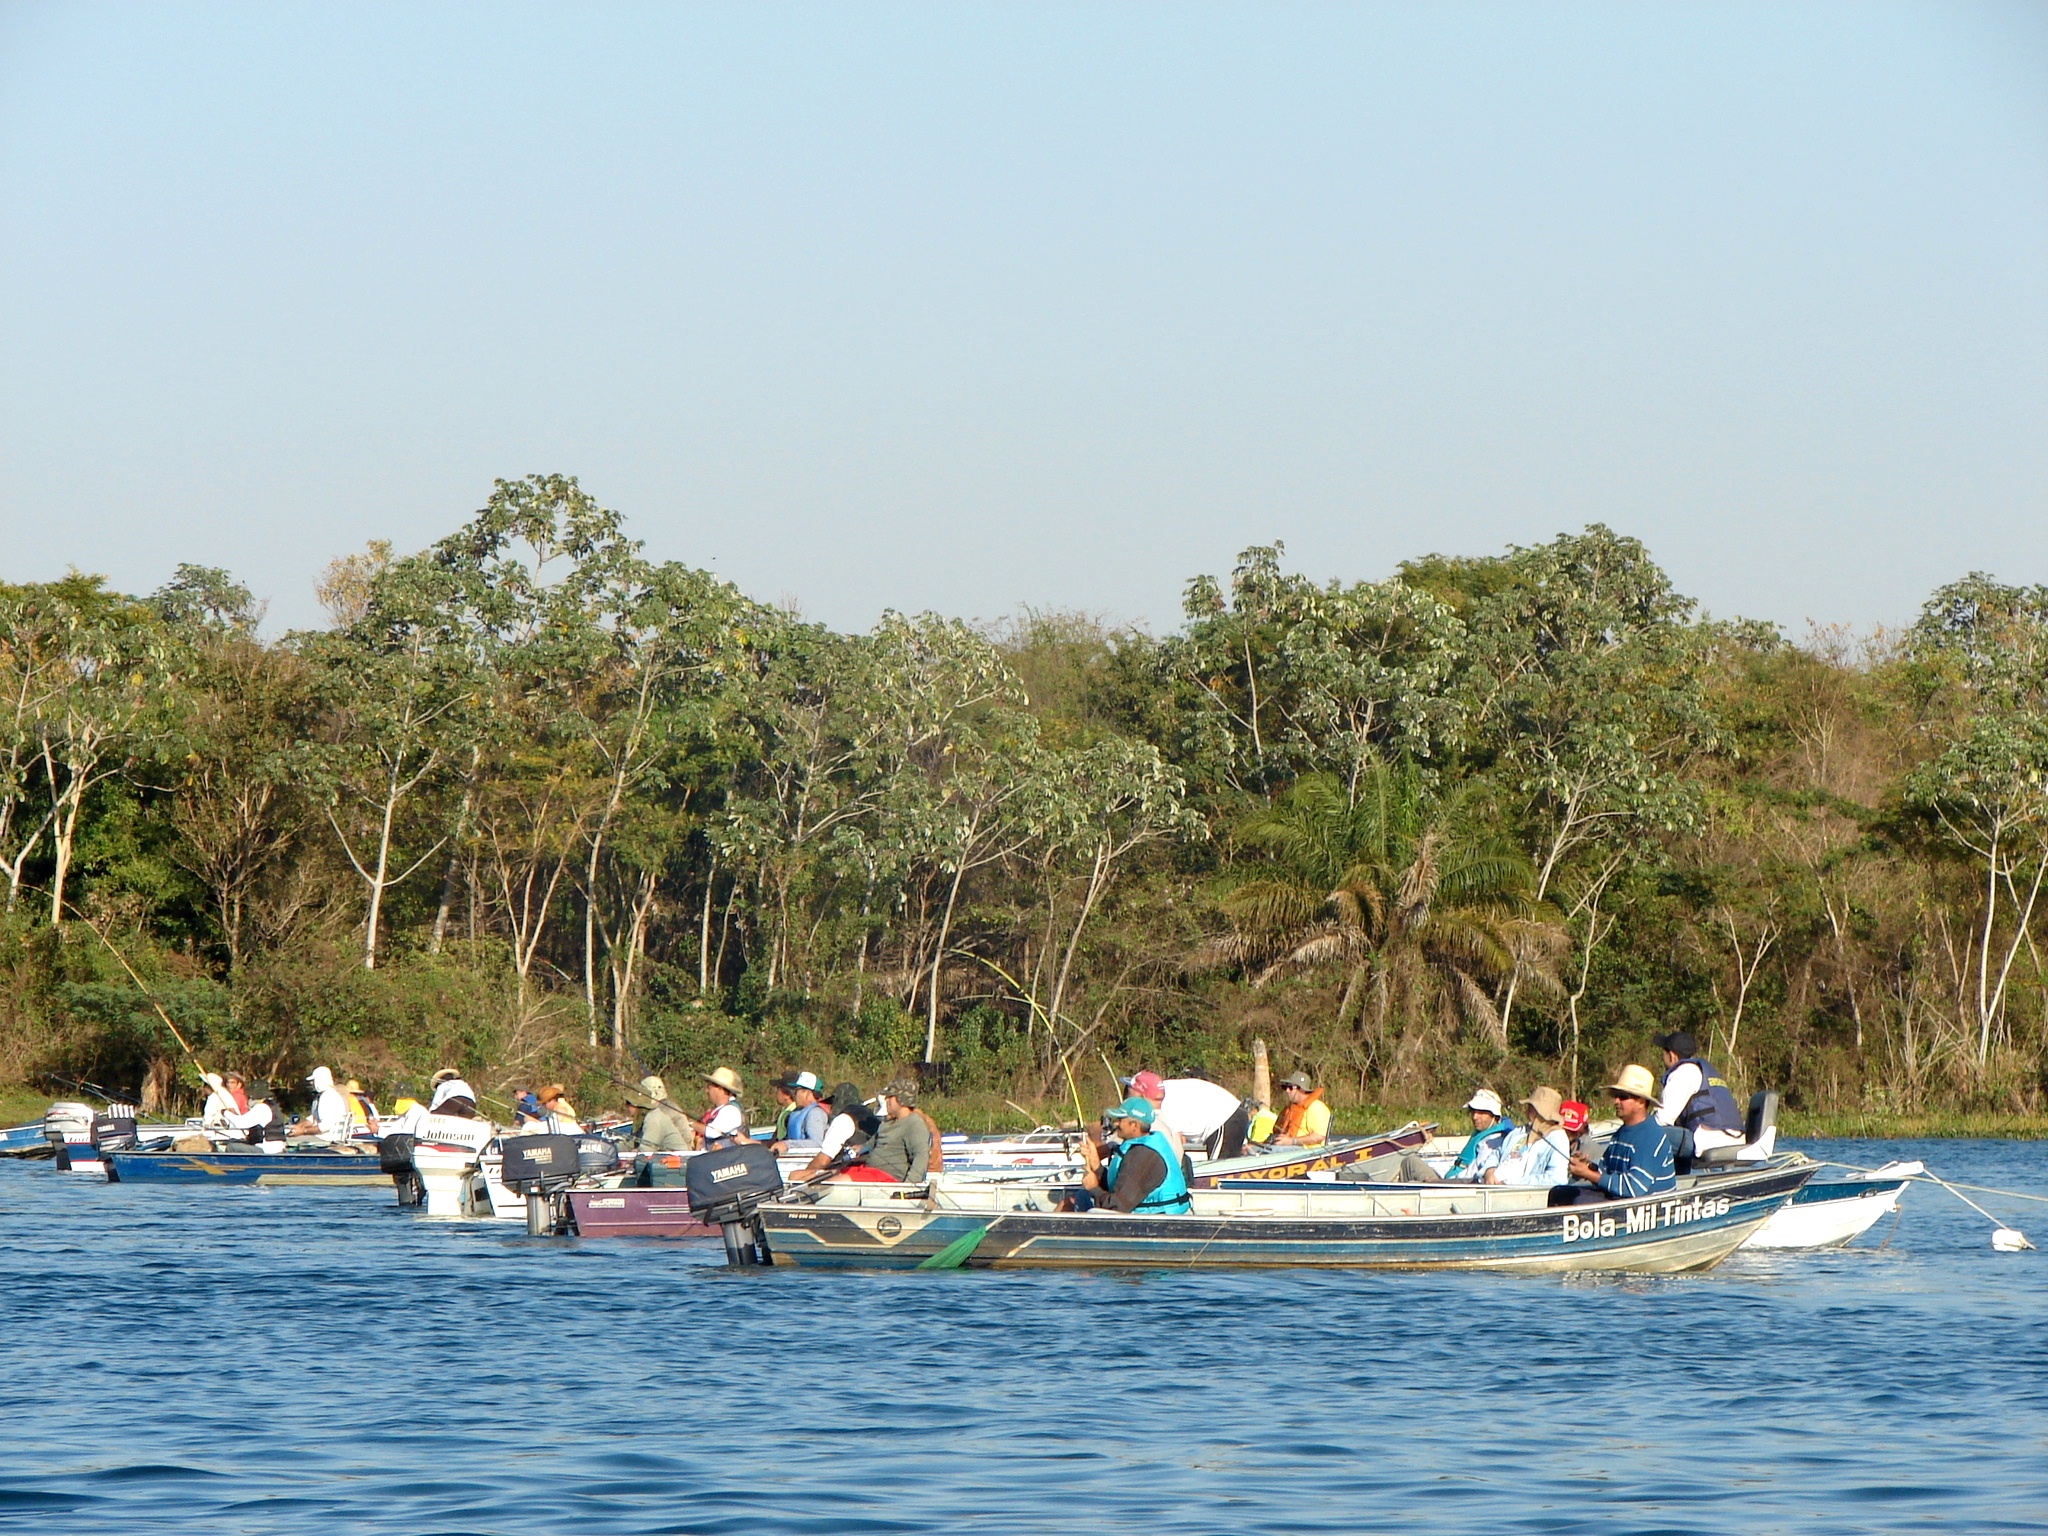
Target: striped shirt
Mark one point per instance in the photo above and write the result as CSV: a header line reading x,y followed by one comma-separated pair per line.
x,y
1638,1162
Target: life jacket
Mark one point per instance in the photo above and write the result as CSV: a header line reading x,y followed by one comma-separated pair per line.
x,y
1290,1117
1172,1194
1714,1106
358,1108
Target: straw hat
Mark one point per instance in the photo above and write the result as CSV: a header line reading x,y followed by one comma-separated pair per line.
x,y
552,1092
1636,1083
1547,1104
725,1078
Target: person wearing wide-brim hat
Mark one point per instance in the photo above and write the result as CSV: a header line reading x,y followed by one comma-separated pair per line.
x,y
1536,1154
665,1127
1638,1160
725,1123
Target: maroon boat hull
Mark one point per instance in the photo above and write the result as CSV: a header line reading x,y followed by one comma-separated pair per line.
x,y
1316,1160
637,1213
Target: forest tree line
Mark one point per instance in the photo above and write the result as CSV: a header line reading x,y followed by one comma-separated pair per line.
x,y
538,806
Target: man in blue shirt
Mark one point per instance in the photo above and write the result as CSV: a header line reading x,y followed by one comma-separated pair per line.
x,y
1638,1158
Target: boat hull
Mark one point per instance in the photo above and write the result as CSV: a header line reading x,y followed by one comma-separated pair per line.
x,y
1320,1228
272,1170
657,1212
1829,1214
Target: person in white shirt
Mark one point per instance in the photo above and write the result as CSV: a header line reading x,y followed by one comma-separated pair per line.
x,y
1192,1112
1695,1100
725,1123
1536,1154
332,1118
851,1124
229,1096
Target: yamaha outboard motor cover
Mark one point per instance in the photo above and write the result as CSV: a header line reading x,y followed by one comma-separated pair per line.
x,y
596,1154
531,1161
114,1130
735,1177
394,1152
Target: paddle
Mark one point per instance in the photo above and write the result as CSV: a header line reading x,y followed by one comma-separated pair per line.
x,y
956,1253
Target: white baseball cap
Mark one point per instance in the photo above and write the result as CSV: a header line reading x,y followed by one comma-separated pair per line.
x,y
1487,1100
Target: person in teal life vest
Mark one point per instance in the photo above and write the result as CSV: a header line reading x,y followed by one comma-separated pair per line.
x,y
1694,1102
1143,1175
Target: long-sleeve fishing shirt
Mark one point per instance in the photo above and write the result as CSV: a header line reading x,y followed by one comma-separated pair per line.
x,y
1638,1162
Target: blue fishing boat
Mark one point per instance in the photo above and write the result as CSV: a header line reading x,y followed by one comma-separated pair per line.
x,y
874,1226
236,1163
25,1141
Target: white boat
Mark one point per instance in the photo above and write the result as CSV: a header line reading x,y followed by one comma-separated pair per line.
x,y
1828,1213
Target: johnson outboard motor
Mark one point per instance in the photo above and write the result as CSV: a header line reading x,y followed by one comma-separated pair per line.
x,y
728,1187
542,1168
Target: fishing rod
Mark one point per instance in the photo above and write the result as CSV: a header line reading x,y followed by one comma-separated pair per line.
x,y
114,950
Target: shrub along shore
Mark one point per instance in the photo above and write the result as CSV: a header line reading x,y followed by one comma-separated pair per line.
x,y
537,806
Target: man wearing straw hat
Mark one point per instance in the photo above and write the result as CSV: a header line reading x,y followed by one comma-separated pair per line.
x,y
1638,1159
725,1123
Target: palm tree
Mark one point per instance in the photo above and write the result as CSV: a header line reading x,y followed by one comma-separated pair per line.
x,y
1428,907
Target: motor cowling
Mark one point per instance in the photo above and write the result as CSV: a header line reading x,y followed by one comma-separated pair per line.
x,y
534,1163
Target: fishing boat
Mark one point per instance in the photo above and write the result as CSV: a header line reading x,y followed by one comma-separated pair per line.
x,y
240,1163
1321,1162
1831,1212
1423,1226
633,1212
25,1141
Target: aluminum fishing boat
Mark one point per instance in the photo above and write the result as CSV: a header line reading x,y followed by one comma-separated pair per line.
x,y
1423,1226
1831,1211
240,1163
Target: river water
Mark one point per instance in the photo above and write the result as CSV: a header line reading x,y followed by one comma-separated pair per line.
x,y
231,1361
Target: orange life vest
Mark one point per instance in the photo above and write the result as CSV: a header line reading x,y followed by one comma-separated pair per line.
x,y
1290,1117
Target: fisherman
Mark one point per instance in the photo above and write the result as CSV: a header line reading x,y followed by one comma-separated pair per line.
x,y
664,1128
1482,1150
1305,1122
1142,1176
230,1095
259,1117
364,1108
852,1124
526,1109
1638,1157
725,1123
785,1106
1536,1154
1194,1112
804,1125
451,1095
1694,1101
332,1117
560,1113
901,1152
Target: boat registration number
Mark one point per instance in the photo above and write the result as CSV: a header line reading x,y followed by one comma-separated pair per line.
x,y
1643,1218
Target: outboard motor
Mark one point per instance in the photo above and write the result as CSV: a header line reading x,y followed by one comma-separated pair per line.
x,y
542,1168
114,1129
728,1187
394,1156
596,1155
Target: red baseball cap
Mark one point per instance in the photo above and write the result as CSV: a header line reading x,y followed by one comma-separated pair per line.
x,y
1573,1115
1149,1086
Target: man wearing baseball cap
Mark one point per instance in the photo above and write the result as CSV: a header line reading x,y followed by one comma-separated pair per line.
x,y
1491,1128
1142,1177
1637,1160
806,1122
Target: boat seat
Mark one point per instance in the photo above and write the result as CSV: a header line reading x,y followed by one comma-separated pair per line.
x,y
1758,1127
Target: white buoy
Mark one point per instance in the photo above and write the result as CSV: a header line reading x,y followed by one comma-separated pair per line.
x,y
2006,1240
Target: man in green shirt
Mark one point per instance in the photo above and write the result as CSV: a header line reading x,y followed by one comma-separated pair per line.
x,y
903,1146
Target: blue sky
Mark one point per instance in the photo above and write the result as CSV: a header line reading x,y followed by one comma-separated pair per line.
x,y
970,307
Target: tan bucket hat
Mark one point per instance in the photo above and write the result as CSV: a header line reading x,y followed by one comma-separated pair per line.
x,y
725,1078
1547,1103
1636,1082
652,1091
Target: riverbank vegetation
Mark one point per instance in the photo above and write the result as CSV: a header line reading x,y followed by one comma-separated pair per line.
x,y
534,804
